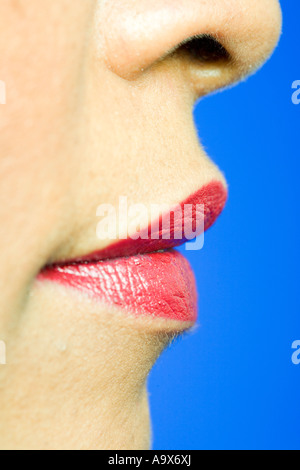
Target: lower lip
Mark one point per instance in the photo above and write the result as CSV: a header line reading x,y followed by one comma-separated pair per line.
x,y
159,285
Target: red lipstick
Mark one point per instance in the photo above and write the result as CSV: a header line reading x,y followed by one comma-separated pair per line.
x,y
143,277
156,284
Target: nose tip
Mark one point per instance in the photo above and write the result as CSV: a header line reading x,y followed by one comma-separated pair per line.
x,y
139,33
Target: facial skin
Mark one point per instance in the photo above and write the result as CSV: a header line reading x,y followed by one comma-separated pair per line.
x,y
98,105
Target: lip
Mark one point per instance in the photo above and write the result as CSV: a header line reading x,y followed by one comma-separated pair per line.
x,y
143,277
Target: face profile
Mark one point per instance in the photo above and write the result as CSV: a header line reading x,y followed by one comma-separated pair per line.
x,y
96,110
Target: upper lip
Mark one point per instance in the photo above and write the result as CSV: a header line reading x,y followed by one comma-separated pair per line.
x,y
213,196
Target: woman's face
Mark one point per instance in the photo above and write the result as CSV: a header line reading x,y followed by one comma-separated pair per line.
x,y
99,99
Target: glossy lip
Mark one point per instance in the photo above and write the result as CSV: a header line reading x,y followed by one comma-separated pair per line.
x,y
153,284
143,277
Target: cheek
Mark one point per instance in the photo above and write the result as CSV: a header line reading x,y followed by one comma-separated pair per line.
x,y
40,55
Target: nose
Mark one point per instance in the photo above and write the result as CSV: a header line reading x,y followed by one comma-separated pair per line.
x,y
218,41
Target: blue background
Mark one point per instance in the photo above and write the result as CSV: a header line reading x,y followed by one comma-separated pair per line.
x,y
231,384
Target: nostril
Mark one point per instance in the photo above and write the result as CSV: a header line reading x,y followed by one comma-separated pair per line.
x,y
207,64
204,48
